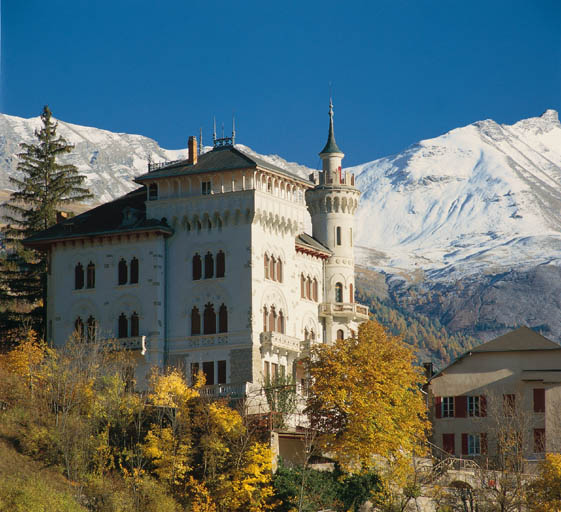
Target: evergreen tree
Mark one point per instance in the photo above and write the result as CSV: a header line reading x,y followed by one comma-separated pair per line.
x,y
44,187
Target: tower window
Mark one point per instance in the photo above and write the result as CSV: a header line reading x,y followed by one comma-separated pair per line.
x,y
195,322
266,264
272,268
90,282
134,271
302,286
265,318
338,292
79,328
351,236
223,319
351,294
272,319
122,272
197,267
78,276
279,270
309,288
338,235
209,319
92,329
209,265
315,290
135,324
340,334
152,192
221,372
220,264
280,323
123,326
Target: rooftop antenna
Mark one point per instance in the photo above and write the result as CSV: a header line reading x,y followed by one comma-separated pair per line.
x,y
233,129
200,140
214,133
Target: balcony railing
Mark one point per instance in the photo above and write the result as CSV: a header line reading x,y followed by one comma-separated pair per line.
x,y
225,390
276,340
348,309
132,343
205,340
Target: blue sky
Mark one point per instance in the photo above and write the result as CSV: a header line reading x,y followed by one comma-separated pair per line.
x,y
401,70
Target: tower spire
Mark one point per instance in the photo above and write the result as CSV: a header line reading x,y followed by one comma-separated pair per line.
x,y
331,145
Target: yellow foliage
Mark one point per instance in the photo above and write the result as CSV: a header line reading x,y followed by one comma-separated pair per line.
x,y
171,390
365,400
169,454
545,491
201,500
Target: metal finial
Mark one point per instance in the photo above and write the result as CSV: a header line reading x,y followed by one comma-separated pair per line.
x,y
214,132
233,129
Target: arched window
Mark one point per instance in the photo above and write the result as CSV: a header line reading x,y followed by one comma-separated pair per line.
x,y
223,319
195,322
220,264
135,324
338,292
279,270
272,268
79,328
302,286
134,271
272,319
338,235
340,334
351,293
209,319
266,263
315,290
152,192
92,329
209,265
280,323
78,276
265,318
123,326
197,267
90,278
309,288
123,271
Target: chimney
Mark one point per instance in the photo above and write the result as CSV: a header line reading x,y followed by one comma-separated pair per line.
x,y
192,150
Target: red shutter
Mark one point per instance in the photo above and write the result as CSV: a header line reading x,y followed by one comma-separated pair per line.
x,y
464,444
483,405
461,407
539,400
438,407
448,443
483,440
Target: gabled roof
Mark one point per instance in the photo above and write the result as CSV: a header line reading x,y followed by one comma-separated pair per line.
x,y
306,241
127,214
225,158
520,340
523,338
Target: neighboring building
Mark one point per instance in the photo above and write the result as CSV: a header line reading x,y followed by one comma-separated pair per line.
x,y
206,266
512,382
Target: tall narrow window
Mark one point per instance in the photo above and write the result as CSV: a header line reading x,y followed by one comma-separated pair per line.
x,y
272,268
351,236
208,370
220,264
340,334
315,290
266,264
79,328
194,372
134,271
209,265
272,319
135,324
90,282
223,319
539,400
206,188
265,318
197,267
280,322
338,235
221,372
152,192
302,286
195,321
279,270
309,288
122,277
92,329
123,326
78,276
338,292
209,319
539,440
351,293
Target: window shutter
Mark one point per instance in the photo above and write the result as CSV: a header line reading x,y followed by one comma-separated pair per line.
x,y
539,400
483,440
483,405
461,406
438,407
464,444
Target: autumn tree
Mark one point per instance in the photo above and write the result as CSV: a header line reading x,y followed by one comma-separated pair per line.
x,y
545,492
366,404
45,186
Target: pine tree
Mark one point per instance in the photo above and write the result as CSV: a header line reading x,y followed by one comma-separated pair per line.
x,y
44,187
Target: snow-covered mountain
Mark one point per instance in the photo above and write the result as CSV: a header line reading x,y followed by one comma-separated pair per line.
x,y
476,199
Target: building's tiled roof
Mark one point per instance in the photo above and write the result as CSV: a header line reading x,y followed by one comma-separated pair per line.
x,y
306,240
523,338
127,214
224,158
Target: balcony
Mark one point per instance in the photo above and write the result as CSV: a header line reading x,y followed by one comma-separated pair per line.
x,y
132,343
346,309
225,390
276,341
208,340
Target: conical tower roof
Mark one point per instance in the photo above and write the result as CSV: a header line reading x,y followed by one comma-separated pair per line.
x,y
331,145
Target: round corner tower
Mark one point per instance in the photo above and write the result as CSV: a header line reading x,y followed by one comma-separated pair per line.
x,y
332,204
